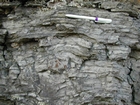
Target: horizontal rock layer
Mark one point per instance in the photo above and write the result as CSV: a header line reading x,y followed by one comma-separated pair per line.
x,y
49,59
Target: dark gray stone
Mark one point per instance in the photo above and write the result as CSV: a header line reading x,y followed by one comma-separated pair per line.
x,y
49,59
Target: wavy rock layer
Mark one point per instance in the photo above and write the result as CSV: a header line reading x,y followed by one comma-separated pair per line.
x,y
49,59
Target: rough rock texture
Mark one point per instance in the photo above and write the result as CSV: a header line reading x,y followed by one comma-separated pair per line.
x,y
49,59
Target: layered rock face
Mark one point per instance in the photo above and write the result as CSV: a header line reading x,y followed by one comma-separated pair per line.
x,y
49,59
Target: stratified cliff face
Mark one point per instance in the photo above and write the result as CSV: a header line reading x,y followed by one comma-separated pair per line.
x,y
49,59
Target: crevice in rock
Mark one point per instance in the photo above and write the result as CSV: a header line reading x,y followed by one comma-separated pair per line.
x,y
69,64
5,46
83,62
15,81
129,74
28,40
131,84
133,92
87,59
107,52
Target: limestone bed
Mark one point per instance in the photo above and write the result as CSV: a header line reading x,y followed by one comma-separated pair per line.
x,y
49,59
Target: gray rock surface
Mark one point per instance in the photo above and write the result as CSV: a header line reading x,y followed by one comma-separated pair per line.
x,y
49,59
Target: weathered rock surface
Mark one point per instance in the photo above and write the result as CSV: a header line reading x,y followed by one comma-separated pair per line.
x,y
49,59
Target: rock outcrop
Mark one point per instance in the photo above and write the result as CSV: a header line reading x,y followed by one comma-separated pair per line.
x,y
49,59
